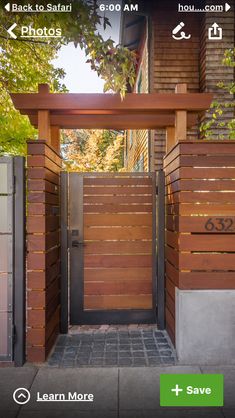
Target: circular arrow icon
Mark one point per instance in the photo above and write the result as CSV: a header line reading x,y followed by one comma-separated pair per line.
x,y
21,396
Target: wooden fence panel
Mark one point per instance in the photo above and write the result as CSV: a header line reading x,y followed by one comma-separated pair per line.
x,y
43,245
118,251
200,219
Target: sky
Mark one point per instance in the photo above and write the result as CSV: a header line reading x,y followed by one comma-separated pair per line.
x,y
79,76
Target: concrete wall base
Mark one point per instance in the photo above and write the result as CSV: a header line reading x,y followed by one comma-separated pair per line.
x,y
205,326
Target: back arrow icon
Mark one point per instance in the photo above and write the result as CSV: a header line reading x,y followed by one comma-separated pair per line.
x,y
11,29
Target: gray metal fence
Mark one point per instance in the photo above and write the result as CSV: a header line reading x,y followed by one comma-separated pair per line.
x,y
12,259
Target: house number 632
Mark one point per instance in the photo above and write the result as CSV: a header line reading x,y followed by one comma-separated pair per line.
x,y
220,224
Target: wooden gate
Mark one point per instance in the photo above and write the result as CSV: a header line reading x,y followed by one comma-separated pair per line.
x,y
112,247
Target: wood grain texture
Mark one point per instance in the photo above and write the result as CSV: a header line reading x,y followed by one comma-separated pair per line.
x,y
116,273
200,218
118,241
117,261
117,190
131,121
118,208
118,181
118,287
118,247
118,220
97,103
213,209
116,199
118,302
199,197
43,241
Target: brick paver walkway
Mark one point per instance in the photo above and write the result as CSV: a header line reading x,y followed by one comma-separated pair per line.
x,y
111,346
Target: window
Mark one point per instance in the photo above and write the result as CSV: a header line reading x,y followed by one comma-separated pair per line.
x,y
130,139
139,165
139,83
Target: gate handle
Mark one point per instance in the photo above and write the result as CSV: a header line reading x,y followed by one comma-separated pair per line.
x,y
76,243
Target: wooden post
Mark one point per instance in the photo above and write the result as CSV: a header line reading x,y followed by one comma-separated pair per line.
x,y
55,138
43,245
170,138
44,125
181,116
43,88
44,117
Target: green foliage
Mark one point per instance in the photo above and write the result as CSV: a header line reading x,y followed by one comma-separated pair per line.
x,y
22,66
92,150
26,63
219,108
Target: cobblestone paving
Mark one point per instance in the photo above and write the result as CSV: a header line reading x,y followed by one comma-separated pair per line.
x,y
113,347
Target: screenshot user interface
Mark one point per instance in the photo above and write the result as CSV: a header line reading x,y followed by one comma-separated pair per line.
x,y
116,337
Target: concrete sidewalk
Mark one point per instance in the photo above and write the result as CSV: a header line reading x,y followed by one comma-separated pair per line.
x,y
118,392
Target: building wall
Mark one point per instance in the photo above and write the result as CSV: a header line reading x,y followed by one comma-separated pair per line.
x,y
136,156
196,61
173,62
212,71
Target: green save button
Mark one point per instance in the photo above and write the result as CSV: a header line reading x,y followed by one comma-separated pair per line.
x,y
191,390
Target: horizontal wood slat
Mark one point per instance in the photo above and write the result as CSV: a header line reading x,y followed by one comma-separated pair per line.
x,y
117,261
117,273
118,208
207,147
42,185
41,147
205,161
42,161
118,302
117,233
116,199
42,224
201,261
201,185
200,209
201,197
118,190
215,242
200,173
42,260
118,220
200,279
40,279
118,247
193,224
115,181
119,287
43,197
43,173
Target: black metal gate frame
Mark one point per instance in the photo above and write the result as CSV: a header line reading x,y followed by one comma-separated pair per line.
x,y
72,299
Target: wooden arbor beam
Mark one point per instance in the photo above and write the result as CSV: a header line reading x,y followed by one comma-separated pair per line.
x,y
104,104
108,111
119,122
